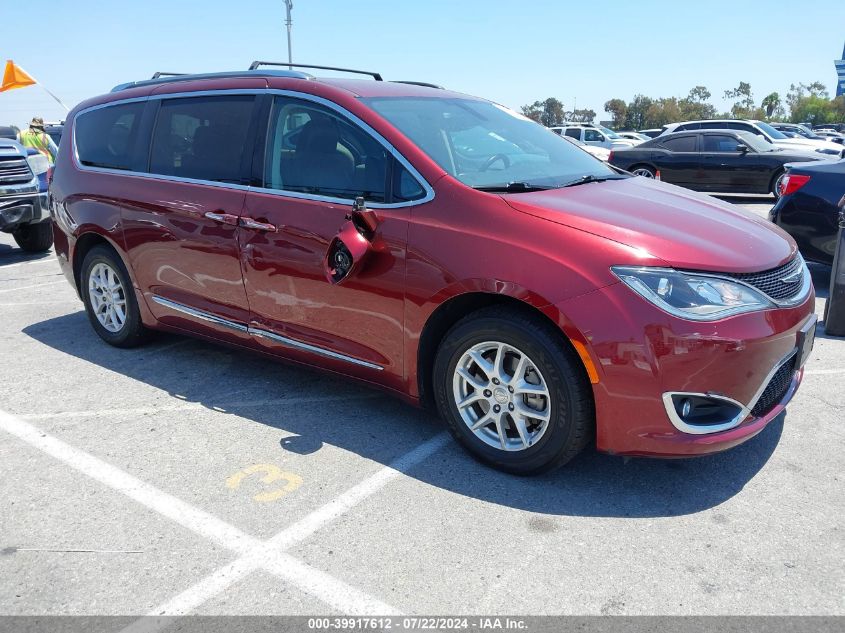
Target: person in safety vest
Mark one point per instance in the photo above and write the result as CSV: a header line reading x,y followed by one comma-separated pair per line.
x,y
38,139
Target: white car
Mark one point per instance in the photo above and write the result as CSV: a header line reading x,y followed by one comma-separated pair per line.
x,y
593,135
601,153
634,136
763,129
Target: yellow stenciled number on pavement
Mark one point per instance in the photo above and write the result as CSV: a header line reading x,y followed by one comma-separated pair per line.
x,y
271,474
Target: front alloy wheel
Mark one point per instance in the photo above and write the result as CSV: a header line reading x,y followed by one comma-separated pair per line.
x,y
501,396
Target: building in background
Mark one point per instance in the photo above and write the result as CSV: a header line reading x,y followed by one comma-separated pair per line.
x,y
840,74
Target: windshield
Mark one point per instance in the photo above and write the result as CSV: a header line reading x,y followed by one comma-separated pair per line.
x,y
768,129
757,143
483,144
608,133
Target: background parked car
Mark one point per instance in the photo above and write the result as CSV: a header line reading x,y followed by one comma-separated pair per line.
x,y
797,128
761,129
652,132
809,207
24,209
634,136
54,130
830,135
601,153
10,132
710,160
591,135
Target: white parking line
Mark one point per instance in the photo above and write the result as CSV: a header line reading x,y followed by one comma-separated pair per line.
x,y
254,554
49,283
224,577
257,554
32,262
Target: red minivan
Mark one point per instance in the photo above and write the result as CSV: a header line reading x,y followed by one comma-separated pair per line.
x,y
439,246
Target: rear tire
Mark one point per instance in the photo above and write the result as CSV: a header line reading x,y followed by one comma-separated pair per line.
x,y
545,413
109,299
644,170
34,238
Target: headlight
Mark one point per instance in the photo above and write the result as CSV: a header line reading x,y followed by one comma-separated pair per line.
x,y
38,163
697,297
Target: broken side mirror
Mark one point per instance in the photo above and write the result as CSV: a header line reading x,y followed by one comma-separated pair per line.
x,y
352,244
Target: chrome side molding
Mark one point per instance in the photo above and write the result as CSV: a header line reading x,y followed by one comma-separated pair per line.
x,y
240,327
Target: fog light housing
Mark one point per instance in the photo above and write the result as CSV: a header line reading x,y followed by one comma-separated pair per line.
x,y
700,413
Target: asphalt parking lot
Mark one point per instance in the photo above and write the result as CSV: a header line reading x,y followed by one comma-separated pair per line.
x,y
186,478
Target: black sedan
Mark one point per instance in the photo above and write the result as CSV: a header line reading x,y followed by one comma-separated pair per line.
x,y
727,161
809,208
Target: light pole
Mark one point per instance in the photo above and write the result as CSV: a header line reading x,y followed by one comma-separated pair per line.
x,y
288,23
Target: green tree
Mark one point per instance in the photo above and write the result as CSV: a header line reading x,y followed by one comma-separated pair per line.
x,y
533,111
618,110
552,112
772,106
743,107
663,111
815,109
637,114
695,105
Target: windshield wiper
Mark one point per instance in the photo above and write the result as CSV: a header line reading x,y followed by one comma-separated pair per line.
x,y
583,180
513,187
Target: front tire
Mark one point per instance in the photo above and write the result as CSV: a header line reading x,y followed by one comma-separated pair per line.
x,y
777,179
110,299
513,392
34,238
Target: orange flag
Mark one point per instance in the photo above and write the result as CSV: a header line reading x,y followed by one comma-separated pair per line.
x,y
15,77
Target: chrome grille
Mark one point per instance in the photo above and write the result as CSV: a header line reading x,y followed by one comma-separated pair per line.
x,y
14,170
776,389
770,282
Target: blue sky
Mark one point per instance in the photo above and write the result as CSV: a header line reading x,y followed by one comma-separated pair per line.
x,y
511,52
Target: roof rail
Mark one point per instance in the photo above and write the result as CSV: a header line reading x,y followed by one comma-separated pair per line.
x,y
424,84
159,74
174,77
255,65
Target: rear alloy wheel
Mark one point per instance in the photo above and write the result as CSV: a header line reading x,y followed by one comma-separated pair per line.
x,y
777,181
34,238
110,299
513,391
645,172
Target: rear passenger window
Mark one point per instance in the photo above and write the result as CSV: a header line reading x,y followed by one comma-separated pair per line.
x,y
105,137
574,132
202,138
680,144
310,149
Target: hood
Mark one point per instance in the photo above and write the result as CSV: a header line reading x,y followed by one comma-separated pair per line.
x,y
684,229
808,144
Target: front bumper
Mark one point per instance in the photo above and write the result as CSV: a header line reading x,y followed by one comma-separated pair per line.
x,y
641,354
22,204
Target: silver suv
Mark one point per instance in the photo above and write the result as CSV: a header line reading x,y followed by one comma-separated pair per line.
x,y
24,211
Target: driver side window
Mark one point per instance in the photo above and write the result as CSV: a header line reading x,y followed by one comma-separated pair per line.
x,y
311,149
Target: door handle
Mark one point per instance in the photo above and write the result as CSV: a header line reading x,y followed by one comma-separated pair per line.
x,y
250,223
223,218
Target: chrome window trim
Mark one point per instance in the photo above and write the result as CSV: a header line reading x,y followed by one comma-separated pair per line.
x,y
429,191
744,412
240,327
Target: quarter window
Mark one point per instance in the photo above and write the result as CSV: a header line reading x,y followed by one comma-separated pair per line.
x,y
680,144
202,137
105,137
311,149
